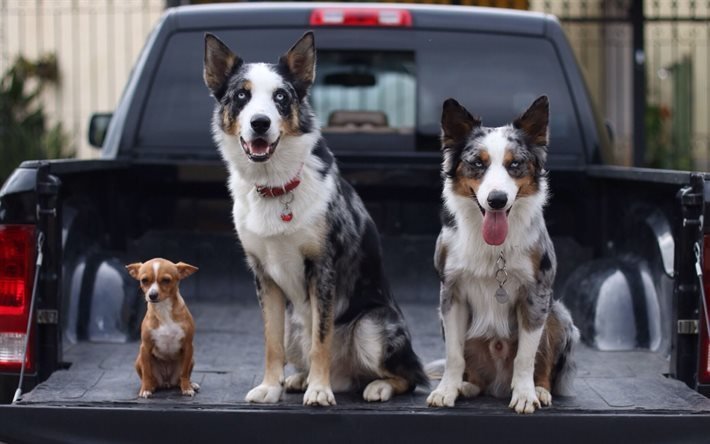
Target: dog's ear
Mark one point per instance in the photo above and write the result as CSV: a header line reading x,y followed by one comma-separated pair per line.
x,y
456,124
185,270
133,269
300,61
219,64
535,121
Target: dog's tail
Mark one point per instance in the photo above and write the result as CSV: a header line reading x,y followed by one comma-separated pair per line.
x,y
404,362
565,368
435,369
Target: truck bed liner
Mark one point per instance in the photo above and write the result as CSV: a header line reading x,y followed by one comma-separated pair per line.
x,y
229,361
628,386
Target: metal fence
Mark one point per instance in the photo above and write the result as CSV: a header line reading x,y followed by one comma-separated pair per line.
x,y
676,37
97,42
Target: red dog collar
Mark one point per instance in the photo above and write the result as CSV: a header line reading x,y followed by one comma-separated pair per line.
x,y
265,191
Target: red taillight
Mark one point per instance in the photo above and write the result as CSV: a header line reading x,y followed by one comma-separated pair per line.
x,y
704,362
360,17
16,268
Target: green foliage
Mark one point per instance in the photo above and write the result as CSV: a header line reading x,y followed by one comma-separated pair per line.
x,y
24,132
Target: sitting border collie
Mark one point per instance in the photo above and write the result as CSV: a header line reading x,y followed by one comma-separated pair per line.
x,y
496,263
312,246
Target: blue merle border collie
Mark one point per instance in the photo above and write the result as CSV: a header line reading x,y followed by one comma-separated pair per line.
x,y
312,246
505,335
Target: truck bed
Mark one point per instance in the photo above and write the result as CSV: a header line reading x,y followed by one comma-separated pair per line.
x,y
629,386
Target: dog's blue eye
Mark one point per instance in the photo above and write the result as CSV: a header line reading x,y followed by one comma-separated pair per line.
x,y
478,164
280,97
241,95
514,164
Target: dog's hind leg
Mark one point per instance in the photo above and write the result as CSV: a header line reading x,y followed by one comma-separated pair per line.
x,y
273,308
297,382
383,389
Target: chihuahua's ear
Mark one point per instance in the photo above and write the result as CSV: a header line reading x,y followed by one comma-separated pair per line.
x,y
133,269
185,270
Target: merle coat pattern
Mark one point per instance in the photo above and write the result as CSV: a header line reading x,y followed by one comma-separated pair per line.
x,y
495,188
319,277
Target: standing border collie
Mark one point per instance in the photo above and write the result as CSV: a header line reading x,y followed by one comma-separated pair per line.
x,y
496,263
312,246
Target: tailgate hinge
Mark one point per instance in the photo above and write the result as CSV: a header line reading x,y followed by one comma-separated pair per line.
x,y
687,326
47,316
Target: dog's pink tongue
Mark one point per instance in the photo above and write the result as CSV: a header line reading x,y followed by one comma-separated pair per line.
x,y
495,227
258,146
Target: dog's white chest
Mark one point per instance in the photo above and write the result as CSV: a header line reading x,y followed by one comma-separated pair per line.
x,y
282,258
167,340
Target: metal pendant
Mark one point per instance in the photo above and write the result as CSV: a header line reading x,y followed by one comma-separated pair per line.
x,y
286,213
502,295
501,277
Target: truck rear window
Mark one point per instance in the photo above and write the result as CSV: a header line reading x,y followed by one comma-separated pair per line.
x,y
380,90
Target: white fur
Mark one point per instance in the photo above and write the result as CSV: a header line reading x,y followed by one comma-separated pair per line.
x,y
264,83
167,338
472,263
455,322
278,246
497,177
524,399
154,286
264,394
378,390
368,345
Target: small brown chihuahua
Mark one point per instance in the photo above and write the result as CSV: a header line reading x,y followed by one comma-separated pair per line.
x,y
165,359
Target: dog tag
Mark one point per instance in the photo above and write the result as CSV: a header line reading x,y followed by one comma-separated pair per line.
x,y
501,295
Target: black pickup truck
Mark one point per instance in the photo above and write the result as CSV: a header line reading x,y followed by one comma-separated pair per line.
x,y
630,242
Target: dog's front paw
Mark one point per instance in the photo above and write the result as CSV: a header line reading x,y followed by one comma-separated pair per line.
x,y
377,390
318,395
296,382
145,394
188,388
188,392
195,386
444,396
543,395
264,394
524,399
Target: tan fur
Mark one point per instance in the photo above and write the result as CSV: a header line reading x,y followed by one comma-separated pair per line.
x,y
491,360
273,307
467,186
526,184
320,355
155,369
230,124
291,127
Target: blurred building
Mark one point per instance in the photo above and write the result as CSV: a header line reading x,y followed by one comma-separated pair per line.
x,y
97,42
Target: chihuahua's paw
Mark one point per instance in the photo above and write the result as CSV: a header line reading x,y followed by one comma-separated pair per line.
x,y
195,386
188,392
317,394
145,394
264,394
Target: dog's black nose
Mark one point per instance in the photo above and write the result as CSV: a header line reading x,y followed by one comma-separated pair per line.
x,y
260,123
153,296
497,200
